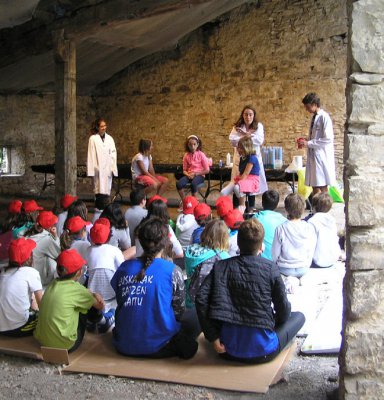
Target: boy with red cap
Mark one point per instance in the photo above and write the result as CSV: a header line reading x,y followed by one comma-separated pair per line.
x,y
202,214
223,206
65,305
103,259
47,245
18,282
233,219
186,223
27,218
10,221
65,202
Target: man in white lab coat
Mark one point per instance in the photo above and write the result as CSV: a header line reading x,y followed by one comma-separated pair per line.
x,y
102,158
320,168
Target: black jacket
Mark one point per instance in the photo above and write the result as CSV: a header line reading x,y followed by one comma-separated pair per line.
x,y
240,291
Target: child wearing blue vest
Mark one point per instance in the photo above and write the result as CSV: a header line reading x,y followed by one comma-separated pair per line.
x,y
150,294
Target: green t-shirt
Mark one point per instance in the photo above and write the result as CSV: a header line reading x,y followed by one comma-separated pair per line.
x,y
59,313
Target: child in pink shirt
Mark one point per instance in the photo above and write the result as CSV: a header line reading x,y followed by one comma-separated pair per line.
x,y
195,166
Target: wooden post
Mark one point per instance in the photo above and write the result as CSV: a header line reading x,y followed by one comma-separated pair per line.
x,y
65,115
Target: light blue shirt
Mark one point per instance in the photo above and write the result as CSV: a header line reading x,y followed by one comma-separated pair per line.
x,y
270,221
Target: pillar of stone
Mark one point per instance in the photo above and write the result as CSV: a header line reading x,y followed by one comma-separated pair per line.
x,y
362,355
65,115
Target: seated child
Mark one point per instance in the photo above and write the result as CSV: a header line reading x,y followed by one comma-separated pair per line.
x,y
27,218
79,208
136,212
295,240
233,220
327,250
203,214
11,220
47,246
101,202
234,303
270,219
248,180
195,166
65,202
223,206
150,293
65,304
199,258
143,172
186,222
103,259
19,281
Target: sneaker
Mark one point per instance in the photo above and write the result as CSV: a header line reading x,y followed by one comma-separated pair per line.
x,y
91,327
108,323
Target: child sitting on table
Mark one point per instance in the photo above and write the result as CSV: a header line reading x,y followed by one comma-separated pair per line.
x,y
295,240
248,180
234,303
202,214
19,281
270,219
195,166
143,172
327,250
186,222
65,305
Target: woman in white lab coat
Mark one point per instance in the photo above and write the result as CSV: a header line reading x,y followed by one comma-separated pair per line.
x,y
102,158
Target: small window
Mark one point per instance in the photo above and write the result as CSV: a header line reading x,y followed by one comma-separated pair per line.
x,y
12,160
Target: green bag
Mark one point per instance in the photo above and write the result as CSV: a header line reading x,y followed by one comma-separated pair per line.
x,y
336,193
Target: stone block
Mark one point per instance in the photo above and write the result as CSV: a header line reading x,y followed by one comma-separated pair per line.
x,y
365,150
367,79
366,387
367,104
365,199
364,349
364,297
367,35
366,249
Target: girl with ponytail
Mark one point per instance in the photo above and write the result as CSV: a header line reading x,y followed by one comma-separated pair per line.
x,y
150,319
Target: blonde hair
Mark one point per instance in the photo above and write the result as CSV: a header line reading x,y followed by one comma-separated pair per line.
x,y
247,144
215,235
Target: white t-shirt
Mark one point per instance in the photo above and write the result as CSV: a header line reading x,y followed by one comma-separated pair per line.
x,y
185,225
136,172
60,222
233,246
16,288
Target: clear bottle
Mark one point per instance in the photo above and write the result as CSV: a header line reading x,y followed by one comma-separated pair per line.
x,y
228,160
220,163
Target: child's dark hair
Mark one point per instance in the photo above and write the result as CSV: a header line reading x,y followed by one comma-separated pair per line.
x,y
153,237
101,201
136,196
144,145
311,98
78,208
159,209
270,200
115,216
67,238
10,221
322,202
34,230
198,140
294,206
62,273
240,121
250,236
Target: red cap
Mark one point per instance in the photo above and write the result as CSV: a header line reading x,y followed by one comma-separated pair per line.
x,y
103,221
67,200
189,204
71,260
31,206
100,232
46,219
156,197
223,206
76,224
20,250
14,207
234,219
202,211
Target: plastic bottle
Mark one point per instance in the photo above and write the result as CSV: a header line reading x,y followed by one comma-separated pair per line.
x,y
220,163
228,160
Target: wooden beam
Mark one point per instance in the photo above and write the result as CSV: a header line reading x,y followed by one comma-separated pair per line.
x,y
65,115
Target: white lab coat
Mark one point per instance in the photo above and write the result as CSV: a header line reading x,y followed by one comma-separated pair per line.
x,y
320,168
257,139
102,162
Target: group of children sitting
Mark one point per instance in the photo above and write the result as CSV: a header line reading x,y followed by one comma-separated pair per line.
x,y
65,275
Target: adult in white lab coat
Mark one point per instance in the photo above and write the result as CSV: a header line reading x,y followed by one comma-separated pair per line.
x,y
248,125
102,158
320,168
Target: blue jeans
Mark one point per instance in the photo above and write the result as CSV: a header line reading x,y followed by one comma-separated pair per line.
x,y
195,182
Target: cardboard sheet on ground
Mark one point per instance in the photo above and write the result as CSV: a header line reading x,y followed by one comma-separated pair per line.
x,y
97,356
325,334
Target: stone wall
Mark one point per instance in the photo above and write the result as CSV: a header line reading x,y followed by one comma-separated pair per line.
x,y
362,357
269,56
